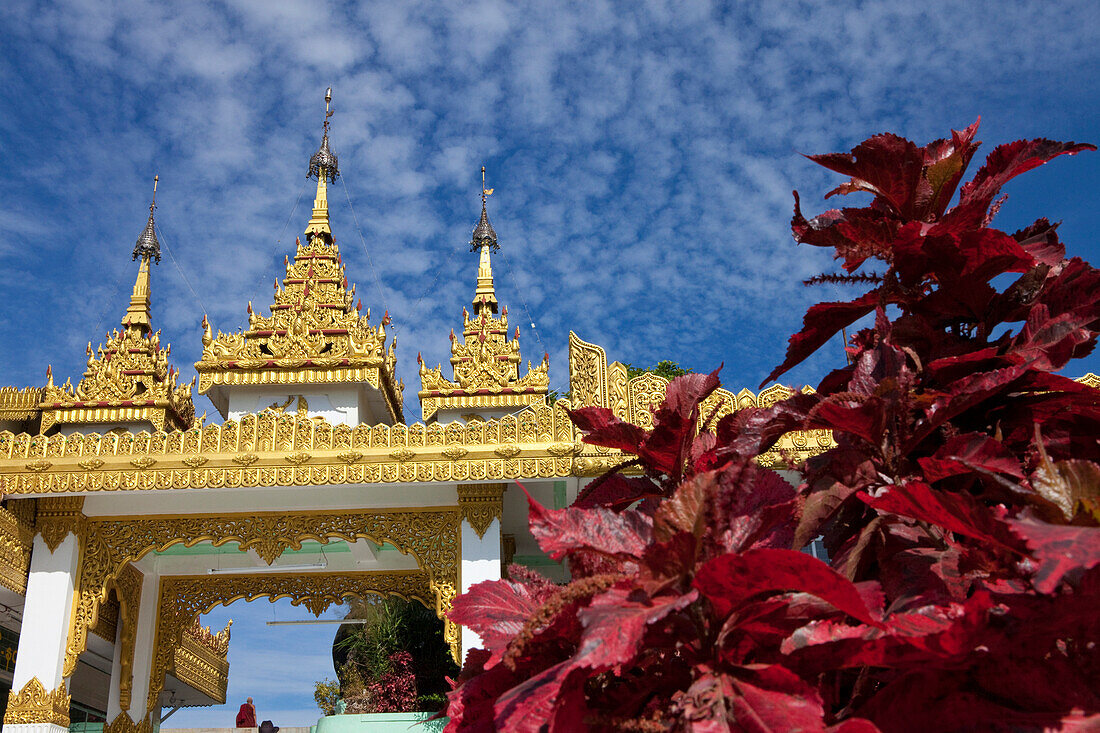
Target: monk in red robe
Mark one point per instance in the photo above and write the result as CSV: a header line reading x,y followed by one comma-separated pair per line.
x,y
246,716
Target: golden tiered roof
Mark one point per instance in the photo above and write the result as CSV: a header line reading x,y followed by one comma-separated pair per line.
x,y
315,333
128,378
485,363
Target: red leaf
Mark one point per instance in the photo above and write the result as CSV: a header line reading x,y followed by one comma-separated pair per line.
x,y
774,698
566,531
1060,550
496,610
1040,240
615,491
616,622
963,453
959,513
1010,160
729,580
603,428
821,323
886,165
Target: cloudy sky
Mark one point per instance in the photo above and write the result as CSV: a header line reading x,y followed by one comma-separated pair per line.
x,y
643,156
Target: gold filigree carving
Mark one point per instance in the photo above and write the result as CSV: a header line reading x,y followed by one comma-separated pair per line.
x,y
508,451
454,452
38,466
57,518
402,454
127,379
1089,380
430,535
563,449
485,363
34,704
16,540
481,504
91,464
298,458
349,456
200,659
314,334
19,404
252,452
123,723
128,589
195,461
143,462
184,598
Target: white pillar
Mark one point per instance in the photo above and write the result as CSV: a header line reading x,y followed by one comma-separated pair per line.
x,y
44,634
143,648
480,562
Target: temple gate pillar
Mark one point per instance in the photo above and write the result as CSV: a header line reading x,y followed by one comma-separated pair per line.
x,y
39,697
133,657
482,507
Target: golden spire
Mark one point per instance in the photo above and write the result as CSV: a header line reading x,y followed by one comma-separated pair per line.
x,y
485,239
324,167
147,247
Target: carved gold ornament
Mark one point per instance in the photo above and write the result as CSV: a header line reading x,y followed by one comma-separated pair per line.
x,y
38,466
246,460
123,723
485,363
16,540
563,449
349,456
200,660
508,451
91,464
128,589
34,704
298,458
481,504
143,462
432,536
402,454
314,334
195,461
184,598
58,517
454,452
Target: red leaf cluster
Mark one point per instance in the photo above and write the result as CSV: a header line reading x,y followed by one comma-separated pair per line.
x,y
960,506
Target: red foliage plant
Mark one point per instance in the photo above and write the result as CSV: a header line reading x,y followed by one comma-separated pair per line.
x,y
960,505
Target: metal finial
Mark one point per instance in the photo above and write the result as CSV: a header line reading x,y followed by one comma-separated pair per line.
x,y
147,244
483,232
324,161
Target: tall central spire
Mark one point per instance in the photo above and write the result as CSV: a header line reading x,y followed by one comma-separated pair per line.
x,y
147,247
485,239
324,167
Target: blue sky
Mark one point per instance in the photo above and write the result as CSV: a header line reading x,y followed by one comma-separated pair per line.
x,y
643,156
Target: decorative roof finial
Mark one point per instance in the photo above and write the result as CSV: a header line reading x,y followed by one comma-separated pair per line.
x,y
147,244
484,235
324,163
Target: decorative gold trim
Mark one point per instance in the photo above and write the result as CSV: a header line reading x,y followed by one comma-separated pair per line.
x,y
200,660
19,404
38,466
481,504
454,452
123,723
58,517
431,535
195,461
33,704
349,456
298,458
255,451
16,541
1089,380
183,598
128,589
143,462
91,464
508,451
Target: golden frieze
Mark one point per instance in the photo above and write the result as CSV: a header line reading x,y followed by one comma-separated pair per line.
x,y
454,452
91,464
430,535
19,404
349,456
184,598
298,458
195,461
16,540
246,460
35,704
38,466
200,659
143,462
481,504
402,454
508,451
563,449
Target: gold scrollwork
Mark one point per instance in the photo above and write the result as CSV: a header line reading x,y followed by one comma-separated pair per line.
x,y
58,517
38,466
402,454
184,598
481,504
508,451
298,458
91,464
123,723
35,704
349,456
430,535
195,461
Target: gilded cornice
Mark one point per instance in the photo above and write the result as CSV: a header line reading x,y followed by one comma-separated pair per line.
x,y
481,504
200,660
35,704
16,541
123,723
58,517
19,404
431,535
271,449
314,335
185,598
127,379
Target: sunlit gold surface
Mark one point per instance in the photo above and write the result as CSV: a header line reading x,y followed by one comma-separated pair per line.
x,y
481,504
35,704
200,660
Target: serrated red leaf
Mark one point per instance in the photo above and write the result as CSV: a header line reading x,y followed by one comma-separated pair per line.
x,y
1059,549
496,610
963,453
562,532
821,323
730,580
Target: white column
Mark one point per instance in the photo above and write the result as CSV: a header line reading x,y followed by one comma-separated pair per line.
x,y
47,613
143,647
480,562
